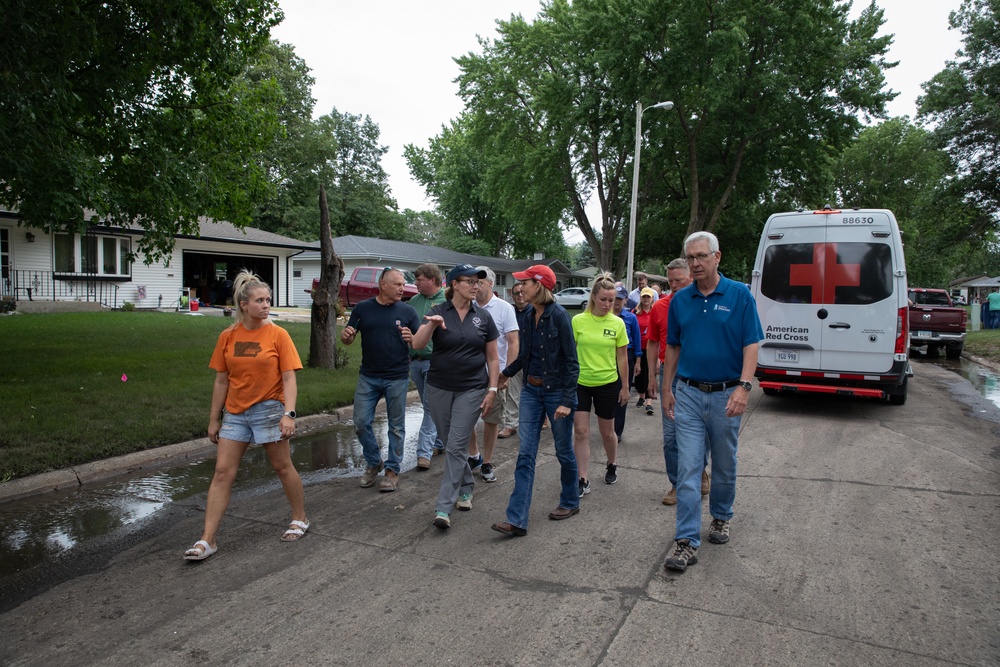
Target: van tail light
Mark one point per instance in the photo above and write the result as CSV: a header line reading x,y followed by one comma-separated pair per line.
x,y
902,331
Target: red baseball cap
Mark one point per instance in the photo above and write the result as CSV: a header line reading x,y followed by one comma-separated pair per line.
x,y
539,272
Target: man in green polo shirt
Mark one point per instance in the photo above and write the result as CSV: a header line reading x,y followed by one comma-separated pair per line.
x,y
429,294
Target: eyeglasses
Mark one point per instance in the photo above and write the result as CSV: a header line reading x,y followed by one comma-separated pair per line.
x,y
518,293
700,257
469,281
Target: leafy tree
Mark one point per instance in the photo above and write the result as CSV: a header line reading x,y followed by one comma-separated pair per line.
x,y
458,171
962,101
136,111
897,165
763,92
360,198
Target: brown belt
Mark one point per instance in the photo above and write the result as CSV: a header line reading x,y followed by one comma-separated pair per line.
x,y
535,381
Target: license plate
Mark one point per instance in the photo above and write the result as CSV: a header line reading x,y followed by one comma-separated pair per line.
x,y
925,334
787,356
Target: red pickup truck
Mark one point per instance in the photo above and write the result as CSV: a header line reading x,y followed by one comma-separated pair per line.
x,y
363,284
935,322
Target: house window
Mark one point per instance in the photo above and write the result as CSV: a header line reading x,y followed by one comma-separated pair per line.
x,y
297,273
502,280
5,260
92,254
65,254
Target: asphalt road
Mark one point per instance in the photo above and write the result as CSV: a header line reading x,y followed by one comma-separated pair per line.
x,y
865,534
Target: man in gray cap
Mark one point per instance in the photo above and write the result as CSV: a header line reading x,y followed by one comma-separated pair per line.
x,y
505,318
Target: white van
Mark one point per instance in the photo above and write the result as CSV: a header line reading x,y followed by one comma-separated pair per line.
x,y
831,293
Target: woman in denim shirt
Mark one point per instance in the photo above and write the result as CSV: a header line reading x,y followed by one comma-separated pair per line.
x,y
548,360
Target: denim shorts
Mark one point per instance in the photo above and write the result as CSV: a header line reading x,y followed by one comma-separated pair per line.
x,y
260,424
604,398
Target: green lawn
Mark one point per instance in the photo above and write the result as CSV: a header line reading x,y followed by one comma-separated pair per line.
x,y
985,344
63,400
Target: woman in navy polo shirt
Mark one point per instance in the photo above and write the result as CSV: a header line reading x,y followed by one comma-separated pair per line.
x,y
461,382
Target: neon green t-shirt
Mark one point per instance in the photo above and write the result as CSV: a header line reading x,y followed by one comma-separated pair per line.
x,y
597,342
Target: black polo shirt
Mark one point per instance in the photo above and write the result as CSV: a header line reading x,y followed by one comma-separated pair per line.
x,y
458,362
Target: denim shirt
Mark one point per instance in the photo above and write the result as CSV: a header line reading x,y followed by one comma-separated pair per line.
x,y
560,368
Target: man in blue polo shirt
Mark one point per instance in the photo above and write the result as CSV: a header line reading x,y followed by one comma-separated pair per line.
x,y
712,337
386,325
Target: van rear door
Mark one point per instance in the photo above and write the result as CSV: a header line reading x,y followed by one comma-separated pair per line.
x,y
860,329
822,280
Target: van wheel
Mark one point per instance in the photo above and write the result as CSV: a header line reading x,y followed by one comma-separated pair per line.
x,y
954,351
897,395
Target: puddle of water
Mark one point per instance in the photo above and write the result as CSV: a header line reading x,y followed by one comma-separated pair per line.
x,y
33,530
985,380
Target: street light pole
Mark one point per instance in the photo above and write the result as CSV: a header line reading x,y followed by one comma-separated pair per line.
x,y
635,184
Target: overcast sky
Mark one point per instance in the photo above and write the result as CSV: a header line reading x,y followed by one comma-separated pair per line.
x,y
393,60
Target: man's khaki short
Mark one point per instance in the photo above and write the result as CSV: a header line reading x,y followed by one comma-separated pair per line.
x,y
495,415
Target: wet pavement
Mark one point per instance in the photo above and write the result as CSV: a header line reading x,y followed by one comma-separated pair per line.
x,y
38,529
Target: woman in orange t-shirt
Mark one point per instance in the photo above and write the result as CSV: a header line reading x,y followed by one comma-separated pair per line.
x,y
253,399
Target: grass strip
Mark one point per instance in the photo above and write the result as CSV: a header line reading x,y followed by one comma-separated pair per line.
x,y
77,387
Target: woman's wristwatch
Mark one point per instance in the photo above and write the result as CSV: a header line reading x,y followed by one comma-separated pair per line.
x,y
494,389
290,413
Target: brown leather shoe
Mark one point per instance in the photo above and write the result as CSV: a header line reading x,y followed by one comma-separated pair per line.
x,y
509,530
706,483
389,482
560,513
423,463
506,433
671,497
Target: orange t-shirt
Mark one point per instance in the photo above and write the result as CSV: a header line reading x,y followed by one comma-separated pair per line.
x,y
658,323
254,361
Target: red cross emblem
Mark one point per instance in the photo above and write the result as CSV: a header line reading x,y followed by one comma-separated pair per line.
x,y
824,275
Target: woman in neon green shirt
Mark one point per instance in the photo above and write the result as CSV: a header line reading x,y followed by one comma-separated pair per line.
x,y
601,347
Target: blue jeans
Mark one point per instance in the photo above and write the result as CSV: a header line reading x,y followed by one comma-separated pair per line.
x,y
534,405
670,438
427,438
700,421
366,397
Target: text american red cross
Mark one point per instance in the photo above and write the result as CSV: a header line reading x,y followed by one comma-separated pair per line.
x,y
824,275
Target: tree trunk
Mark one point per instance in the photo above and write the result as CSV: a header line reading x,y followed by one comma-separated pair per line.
x,y
323,339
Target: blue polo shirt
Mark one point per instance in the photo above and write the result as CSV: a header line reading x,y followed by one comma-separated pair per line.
x,y
713,330
384,353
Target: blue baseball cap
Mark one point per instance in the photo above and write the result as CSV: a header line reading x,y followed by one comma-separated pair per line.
x,y
465,270
621,293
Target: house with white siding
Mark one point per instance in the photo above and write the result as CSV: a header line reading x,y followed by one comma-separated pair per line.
x,y
95,267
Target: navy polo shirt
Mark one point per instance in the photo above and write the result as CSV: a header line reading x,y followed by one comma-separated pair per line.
x,y
713,330
384,353
458,362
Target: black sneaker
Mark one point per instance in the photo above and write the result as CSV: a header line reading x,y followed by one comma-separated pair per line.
x,y
649,409
611,476
584,487
719,532
475,461
641,402
683,555
487,473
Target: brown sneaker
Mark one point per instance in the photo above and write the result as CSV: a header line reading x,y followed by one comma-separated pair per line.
x,y
706,483
389,482
371,472
423,463
506,433
670,498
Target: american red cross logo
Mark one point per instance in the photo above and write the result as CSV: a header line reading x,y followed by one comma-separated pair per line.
x,y
824,275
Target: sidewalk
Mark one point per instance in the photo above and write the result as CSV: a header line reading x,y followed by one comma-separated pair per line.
x,y
864,534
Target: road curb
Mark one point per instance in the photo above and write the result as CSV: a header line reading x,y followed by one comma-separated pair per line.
x,y
102,470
